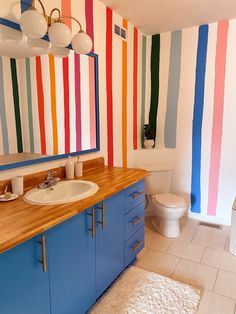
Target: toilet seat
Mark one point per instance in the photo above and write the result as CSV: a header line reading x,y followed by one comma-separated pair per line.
x,y
169,201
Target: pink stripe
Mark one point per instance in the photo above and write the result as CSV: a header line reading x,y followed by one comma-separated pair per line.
x,y
92,103
66,11
89,19
220,65
78,103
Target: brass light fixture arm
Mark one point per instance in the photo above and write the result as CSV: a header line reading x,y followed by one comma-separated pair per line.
x,y
41,4
73,18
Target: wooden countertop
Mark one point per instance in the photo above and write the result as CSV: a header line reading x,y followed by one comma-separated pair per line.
x,y
20,221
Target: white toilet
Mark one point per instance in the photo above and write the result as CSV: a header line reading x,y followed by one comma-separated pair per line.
x,y
166,208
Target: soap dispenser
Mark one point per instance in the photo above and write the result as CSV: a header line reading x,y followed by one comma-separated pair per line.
x,y
70,169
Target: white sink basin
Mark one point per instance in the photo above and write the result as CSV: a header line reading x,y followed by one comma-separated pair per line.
x,y
61,193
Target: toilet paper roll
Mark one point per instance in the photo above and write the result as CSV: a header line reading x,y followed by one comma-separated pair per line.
x,y
78,169
17,185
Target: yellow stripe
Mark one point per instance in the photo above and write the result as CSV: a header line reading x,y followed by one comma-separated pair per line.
x,y
53,103
124,98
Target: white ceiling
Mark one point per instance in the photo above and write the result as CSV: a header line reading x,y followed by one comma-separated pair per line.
x,y
157,16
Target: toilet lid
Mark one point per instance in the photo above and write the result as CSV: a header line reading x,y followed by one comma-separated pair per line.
x,y
169,200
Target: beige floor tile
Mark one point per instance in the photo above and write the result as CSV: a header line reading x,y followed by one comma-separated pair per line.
x,y
158,262
186,250
221,259
216,304
226,284
196,274
188,228
210,237
155,241
141,253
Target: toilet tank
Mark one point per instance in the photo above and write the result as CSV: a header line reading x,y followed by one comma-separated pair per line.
x,y
159,180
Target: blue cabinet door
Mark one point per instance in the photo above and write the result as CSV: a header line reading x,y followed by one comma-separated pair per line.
x,y
72,265
24,287
109,241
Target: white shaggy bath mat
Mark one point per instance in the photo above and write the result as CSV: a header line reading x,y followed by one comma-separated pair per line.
x,y
141,291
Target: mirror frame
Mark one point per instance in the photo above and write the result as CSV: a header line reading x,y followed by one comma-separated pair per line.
x,y
16,26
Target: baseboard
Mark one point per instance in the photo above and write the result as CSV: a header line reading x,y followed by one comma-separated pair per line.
x,y
211,219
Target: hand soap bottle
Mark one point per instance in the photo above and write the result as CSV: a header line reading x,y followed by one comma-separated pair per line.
x,y
70,169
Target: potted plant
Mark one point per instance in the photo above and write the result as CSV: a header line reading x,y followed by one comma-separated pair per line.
x,y
150,135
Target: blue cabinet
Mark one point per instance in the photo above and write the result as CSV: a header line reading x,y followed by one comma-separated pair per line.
x,y
24,287
71,254
109,241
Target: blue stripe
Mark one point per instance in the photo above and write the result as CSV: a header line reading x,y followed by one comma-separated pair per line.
x,y
197,119
3,117
173,90
25,5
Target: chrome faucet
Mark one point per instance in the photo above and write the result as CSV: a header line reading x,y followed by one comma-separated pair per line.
x,y
49,182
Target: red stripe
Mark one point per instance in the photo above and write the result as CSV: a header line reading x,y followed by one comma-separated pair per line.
x,y
40,104
135,91
78,103
89,19
66,104
109,87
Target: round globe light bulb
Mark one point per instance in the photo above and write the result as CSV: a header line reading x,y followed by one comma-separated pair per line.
x,y
59,34
60,52
33,24
82,43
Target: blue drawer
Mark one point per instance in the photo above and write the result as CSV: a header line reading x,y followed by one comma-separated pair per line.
x,y
134,220
133,246
134,195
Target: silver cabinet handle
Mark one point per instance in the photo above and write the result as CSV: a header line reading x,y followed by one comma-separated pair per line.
x,y
137,194
137,246
103,215
43,261
136,221
93,222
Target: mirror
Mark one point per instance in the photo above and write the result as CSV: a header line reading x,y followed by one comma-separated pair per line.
x,y
48,105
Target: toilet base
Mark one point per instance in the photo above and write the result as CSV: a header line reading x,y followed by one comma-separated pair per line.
x,y
166,227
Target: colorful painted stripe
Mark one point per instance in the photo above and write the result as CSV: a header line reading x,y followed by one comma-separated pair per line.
x,y
143,104
124,98
219,91
3,116
89,19
66,11
135,90
197,119
155,69
16,106
78,103
25,5
40,104
173,90
53,103
92,111
65,63
29,100
109,27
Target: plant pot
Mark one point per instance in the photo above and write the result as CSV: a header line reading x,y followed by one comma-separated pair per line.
x,y
148,144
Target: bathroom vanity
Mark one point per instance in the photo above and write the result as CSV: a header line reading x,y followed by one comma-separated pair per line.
x,y
60,259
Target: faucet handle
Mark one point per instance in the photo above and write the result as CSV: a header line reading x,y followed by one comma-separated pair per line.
x,y
50,175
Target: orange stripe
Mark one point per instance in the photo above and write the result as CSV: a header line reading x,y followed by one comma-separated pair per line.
x,y
124,98
135,91
66,10
53,103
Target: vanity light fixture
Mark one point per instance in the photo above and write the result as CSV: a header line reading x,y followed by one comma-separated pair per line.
x,y
35,25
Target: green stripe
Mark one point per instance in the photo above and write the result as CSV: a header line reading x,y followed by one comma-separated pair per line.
x,y
29,98
144,56
16,105
155,65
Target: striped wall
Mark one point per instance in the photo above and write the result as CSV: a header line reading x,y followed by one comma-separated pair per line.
x,y
47,104
195,116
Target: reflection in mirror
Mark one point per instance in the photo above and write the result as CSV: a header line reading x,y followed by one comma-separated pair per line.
x,y
48,105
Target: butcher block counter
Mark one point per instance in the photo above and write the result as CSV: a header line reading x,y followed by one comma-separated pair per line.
x,y
20,221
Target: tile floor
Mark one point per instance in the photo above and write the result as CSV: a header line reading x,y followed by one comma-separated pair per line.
x,y
199,256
